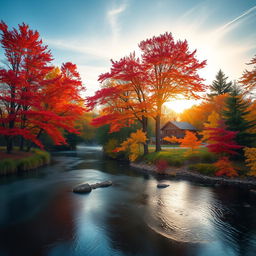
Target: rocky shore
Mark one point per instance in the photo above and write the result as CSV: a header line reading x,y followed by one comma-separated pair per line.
x,y
182,173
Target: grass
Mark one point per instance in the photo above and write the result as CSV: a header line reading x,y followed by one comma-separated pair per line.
x,y
179,157
22,161
204,168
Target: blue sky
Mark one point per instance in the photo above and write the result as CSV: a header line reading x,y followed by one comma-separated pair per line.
x,y
90,33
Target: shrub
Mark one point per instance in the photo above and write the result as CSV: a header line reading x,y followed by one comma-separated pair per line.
x,y
203,168
109,147
225,167
161,165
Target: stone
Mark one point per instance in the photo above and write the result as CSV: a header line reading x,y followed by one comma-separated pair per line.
x,y
82,188
102,184
162,185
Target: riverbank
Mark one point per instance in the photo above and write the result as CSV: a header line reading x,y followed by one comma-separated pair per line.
x,y
22,161
184,174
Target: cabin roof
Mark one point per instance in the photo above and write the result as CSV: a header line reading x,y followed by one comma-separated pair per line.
x,y
181,125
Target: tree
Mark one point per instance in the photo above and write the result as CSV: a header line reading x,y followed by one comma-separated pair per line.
x,y
249,77
198,115
35,97
220,85
171,72
27,60
250,155
236,110
222,141
124,96
190,140
132,144
213,122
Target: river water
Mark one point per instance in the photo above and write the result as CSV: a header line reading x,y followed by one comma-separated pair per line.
x,y
39,214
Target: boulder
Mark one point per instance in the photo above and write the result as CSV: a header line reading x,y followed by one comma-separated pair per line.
x,y
82,188
162,185
102,184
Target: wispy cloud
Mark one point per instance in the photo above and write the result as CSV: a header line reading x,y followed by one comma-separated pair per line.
x,y
238,19
112,17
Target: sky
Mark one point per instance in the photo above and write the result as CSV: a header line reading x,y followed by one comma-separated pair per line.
x,y
91,32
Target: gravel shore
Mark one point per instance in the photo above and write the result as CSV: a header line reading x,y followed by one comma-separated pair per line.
x,y
185,174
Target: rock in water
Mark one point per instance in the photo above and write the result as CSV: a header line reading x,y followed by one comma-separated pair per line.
x,y
162,185
102,184
82,188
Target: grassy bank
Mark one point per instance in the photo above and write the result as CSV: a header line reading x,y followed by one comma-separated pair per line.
x,y
178,157
22,161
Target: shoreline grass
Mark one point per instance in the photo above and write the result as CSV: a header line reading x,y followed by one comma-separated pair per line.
x,y
36,159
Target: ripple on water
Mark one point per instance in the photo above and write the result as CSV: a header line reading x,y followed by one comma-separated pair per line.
x,y
185,214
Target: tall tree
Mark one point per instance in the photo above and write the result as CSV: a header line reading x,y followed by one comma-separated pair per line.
x,y
249,77
235,115
27,60
28,93
124,96
220,84
171,72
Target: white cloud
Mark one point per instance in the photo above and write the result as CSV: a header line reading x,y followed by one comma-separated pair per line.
x,y
112,17
212,44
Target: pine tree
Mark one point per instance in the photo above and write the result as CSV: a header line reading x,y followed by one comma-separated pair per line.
x,y
235,119
220,84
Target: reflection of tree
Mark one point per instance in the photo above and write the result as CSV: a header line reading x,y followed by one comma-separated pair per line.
x,y
241,218
52,225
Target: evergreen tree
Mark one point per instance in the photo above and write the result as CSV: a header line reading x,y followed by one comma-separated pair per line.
x,y
220,85
235,118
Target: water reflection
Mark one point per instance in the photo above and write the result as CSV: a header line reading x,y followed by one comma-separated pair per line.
x,y
40,216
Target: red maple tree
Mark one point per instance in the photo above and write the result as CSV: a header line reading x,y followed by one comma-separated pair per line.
x,y
222,141
172,71
23,84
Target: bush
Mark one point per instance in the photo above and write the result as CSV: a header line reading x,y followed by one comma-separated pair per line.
x,y
203,168
110,146
39,158
161,166
172,158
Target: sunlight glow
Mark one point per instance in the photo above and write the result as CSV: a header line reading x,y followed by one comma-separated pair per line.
x,y
180,105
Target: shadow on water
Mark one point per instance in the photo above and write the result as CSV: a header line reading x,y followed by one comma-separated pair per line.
x,y
41,216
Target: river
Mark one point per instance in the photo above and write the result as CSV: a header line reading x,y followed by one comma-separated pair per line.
x,y
40,216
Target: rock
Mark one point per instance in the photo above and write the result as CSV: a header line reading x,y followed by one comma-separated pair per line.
x,y
82,188
162,185
253,191
102,184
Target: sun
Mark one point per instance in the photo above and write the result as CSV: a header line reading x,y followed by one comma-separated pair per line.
x,y
180,105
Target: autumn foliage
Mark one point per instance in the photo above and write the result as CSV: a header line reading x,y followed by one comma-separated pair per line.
x,y
249,77
250,155
132,145
35,97
225,167
190,141
222,141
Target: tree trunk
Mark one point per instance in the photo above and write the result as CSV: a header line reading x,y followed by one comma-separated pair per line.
x,y
145,129
9,144
158,138
21,143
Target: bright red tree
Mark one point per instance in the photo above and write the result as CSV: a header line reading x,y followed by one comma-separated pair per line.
x,y
23,83
124,95
222,141
172,71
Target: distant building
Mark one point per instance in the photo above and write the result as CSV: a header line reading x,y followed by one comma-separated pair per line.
x,y
177,129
